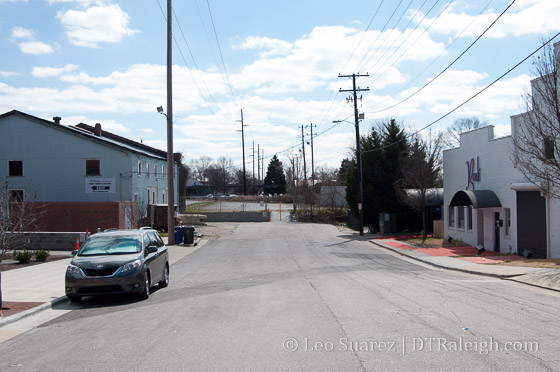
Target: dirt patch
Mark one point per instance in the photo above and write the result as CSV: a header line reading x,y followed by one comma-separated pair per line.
x,y
11,308
541,263
8,264
435,243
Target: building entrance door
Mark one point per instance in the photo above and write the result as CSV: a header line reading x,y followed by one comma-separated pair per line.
x,y
497,231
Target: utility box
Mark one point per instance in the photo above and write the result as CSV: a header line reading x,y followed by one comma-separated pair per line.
x,y
387,223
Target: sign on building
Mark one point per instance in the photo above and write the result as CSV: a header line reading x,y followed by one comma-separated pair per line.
x,y
100,185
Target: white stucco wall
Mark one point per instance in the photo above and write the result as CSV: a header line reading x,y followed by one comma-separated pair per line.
x,y
497,173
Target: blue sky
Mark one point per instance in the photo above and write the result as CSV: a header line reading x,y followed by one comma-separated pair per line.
x,y
104,61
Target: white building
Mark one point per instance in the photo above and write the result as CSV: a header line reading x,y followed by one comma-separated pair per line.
x,y
488,202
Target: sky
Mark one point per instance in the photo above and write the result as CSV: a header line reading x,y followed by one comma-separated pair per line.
x,y
104,61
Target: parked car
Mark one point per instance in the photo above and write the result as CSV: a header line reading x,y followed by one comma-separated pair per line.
x,y
117,262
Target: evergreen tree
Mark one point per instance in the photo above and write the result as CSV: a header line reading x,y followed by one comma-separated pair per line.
x,y
275,180
383,150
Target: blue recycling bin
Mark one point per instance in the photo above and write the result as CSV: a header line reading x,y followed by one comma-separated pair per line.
x,y
178,234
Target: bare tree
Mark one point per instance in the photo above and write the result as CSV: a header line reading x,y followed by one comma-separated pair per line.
x,y
199,168
536,133
451,137
18,217
420,171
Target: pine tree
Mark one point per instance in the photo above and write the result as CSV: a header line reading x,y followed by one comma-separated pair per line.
x,y
275,180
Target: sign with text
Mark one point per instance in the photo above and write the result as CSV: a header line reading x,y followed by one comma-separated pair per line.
x,y
100,185
473,173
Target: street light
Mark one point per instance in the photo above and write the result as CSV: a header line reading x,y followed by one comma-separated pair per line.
x,y
360,178
170,185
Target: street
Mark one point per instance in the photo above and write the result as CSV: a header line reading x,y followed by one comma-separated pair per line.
x,y
300,297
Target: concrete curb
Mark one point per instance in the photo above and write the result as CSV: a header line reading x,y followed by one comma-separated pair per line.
x,y
24,314
475,272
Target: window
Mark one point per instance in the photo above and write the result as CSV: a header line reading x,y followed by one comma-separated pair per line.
x,y
469,217
16,195
155,171
163,197
162,171
93,168
139,168
507,213
461,217
148,170
451,216
15,168
548,148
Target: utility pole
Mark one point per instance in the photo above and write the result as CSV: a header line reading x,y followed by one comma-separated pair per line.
x,y
243,145
262,165
258,162
312,160
170,168
253,149
358,147
303,150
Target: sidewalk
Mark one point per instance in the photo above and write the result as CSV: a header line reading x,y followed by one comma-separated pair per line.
x,y
39,287
448,258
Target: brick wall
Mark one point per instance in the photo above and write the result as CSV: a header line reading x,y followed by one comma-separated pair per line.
x,y
82,216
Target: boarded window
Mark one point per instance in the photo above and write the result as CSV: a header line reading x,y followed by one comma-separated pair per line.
x,y
461,211
451,218
93,168
548,148
15,168
16,196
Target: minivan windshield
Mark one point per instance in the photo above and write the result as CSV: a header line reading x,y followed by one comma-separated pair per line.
x,y
114,244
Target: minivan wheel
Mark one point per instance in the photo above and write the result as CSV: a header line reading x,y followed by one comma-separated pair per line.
x,y
146,293
165,282
74,299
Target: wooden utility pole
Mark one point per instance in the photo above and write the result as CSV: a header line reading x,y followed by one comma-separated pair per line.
x,y
312,160
243,145
253,149
303,150
358,147
170,168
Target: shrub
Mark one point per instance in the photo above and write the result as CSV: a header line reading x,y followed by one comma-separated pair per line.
x,y
41,255
23,256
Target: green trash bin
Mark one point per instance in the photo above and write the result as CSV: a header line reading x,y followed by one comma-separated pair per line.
x,y
188,234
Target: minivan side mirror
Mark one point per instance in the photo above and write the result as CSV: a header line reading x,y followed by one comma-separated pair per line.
x,y
152,249
74,252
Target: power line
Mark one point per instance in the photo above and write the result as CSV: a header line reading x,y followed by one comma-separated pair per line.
x,y
441,54
472,97
221,55
448,66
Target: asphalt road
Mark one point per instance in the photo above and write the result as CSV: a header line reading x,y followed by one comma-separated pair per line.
x,y
301,297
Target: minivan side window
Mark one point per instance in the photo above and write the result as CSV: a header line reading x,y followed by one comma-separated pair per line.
x,y
147,242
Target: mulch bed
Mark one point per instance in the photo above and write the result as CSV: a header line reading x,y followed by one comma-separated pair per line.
x,y
11,308
5,266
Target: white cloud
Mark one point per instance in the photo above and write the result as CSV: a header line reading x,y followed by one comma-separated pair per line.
x,y
529,17
7,74
95,25
30,46
35,48
316,58
43,72
83,3
273,46
22,33
106,124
